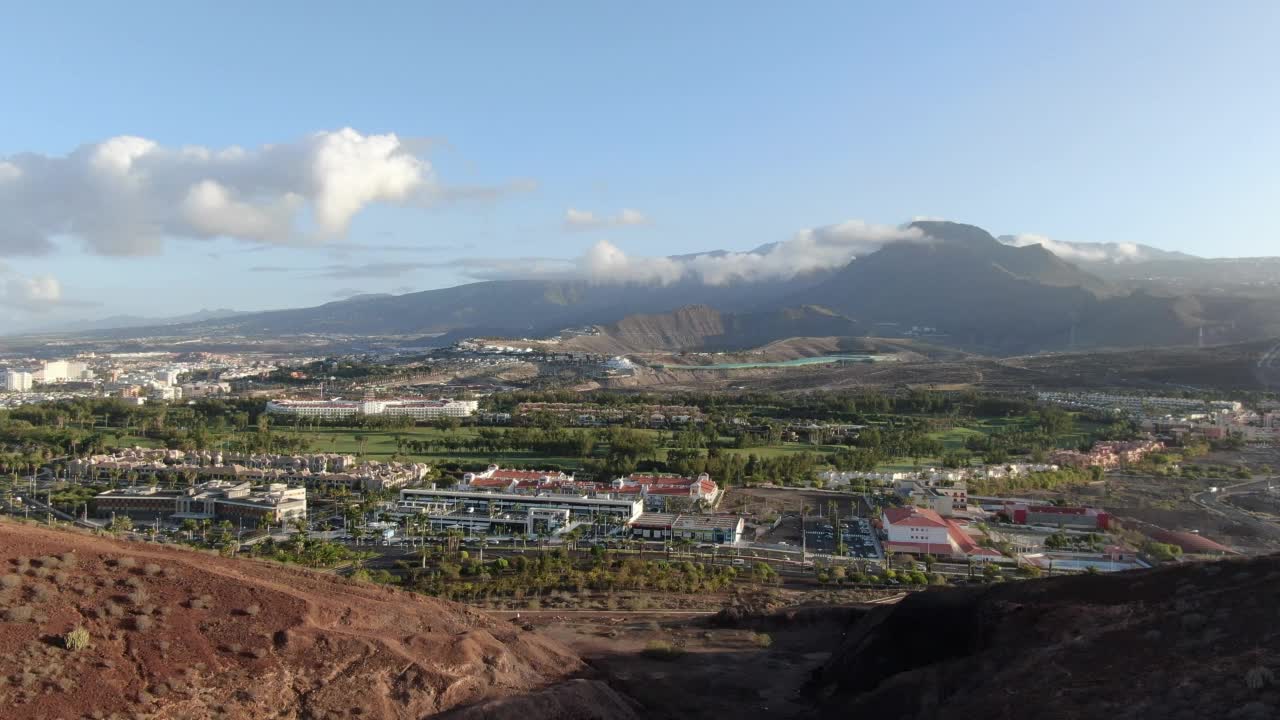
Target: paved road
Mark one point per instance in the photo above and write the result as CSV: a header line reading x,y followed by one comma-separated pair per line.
x,y
1213,503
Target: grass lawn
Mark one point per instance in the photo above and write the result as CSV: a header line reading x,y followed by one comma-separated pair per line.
x,y
765,451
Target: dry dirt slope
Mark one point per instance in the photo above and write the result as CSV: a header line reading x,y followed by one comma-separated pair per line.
x,y
177,634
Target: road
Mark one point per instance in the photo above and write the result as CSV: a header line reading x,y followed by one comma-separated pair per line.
x,y
1213,503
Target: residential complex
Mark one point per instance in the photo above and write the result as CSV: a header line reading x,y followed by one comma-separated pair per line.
x,y
667,491
216,500
658,491
418,409
593,414
1108,454
312,471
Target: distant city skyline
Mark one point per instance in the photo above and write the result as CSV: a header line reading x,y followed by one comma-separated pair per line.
x,y
156,161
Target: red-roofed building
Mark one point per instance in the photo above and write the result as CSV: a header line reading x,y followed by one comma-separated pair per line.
x,y
924,532
658,489
528,482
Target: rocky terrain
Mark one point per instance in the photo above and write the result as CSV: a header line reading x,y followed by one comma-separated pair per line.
x,y
170,634
703,328
1183,642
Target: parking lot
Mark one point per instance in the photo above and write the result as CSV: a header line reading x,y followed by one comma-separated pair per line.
x,y
858,535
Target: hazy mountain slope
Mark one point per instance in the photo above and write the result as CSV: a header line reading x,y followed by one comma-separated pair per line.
x,y
965,283
989,295
519,306
133,321
982,294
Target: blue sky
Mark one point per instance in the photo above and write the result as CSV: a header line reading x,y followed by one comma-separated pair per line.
x,y
723,124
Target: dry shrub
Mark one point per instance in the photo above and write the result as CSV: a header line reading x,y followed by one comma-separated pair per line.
x,y
10,581
77,639
21,613
151,569
68,559
48,561
139,597
142,623
127,563
252,610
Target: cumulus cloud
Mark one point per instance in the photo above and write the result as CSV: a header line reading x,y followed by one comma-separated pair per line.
x,y
126,195
1080,252
575,219
809,250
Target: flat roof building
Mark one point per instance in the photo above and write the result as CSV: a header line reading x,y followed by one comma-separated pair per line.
x,y
718,529
241,503
471,508
418,409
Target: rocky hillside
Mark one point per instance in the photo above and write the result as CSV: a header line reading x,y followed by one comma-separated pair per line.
x,y
1185,642
178,634
703,328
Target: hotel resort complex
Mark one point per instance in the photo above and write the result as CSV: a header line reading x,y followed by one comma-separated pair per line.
x,y
416,408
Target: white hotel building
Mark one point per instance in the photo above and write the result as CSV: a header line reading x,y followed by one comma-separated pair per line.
x,y
409,407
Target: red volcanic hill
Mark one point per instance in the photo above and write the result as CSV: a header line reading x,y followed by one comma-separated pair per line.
x,y
180,634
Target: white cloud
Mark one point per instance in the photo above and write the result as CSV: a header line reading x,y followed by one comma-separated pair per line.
x,y
125,195
821,248
39,293
575,219
1080,252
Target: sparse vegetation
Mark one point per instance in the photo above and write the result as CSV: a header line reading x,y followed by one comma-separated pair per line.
x,y
662,650
76,639
19,614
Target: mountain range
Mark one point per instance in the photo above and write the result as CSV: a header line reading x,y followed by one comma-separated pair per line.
x,y
975,290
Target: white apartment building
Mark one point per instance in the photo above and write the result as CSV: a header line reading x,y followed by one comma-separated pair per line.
x,y
17,381
338,408
54,371
167,376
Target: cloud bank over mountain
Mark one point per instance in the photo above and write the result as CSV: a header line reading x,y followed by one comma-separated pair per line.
x,y
126,195
605,263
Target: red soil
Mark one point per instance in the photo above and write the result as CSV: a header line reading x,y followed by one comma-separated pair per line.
x,y
181,634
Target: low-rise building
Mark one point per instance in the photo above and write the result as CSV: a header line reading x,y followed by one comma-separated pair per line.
x,y
1109,454
667,492
418,409
717,529
1078,518
241,503
918,531
497,512
321,470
